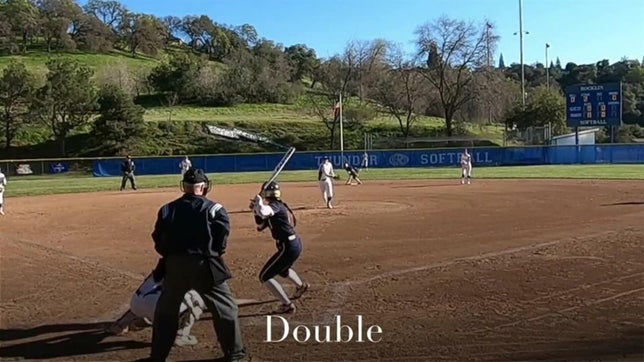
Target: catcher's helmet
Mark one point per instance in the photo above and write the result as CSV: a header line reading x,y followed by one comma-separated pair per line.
x,y
271,190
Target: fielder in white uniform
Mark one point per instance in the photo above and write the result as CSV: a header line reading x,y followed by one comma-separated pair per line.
x,y
3,184
325,179
466,167
142,306
185,165
365,162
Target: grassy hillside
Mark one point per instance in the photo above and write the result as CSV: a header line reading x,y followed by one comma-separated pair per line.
x,y
285,123
37,60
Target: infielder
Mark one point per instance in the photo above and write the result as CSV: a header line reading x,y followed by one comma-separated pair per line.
x,y
466,167
185,165
279,218
365,161
143,304
353,174
325,179
3,184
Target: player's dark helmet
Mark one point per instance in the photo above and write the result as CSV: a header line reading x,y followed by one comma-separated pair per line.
x,y
271,190
195,176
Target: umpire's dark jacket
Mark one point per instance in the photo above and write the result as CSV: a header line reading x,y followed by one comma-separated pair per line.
x,y
128,166
194,225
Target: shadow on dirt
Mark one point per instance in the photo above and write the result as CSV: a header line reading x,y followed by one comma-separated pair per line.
x,y
625,203
627,346
457,183
86,338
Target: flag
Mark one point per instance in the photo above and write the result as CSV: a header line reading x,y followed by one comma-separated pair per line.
x,y
336,109
547,45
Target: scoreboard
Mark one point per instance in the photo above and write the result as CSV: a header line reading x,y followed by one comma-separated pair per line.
x,y
591,105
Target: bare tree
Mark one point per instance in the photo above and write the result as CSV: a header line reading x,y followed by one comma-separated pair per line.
x,y
332,78
367,58
119,75
451,49
492,97
400,91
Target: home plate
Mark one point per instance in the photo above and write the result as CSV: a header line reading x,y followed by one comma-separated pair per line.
x,y
246,301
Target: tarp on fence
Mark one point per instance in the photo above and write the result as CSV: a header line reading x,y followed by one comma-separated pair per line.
x,y
498,156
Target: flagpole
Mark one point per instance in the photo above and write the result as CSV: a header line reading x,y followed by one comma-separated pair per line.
x,y
341,131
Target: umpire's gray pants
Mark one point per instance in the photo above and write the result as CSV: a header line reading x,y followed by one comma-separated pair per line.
x,y
185,272
128,176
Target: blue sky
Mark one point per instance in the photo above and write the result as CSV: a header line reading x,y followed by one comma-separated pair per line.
x,y
580,31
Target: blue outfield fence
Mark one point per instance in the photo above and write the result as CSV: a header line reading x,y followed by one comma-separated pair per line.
x,y
498,156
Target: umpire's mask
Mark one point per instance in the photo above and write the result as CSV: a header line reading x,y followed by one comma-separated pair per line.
x,y
195,176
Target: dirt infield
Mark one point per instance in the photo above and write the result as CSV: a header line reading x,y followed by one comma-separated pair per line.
x,y
497,270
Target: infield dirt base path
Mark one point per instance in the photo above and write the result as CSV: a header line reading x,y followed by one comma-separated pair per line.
x,y
496,270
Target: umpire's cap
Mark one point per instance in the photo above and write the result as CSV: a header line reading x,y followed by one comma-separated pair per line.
x,y
195,176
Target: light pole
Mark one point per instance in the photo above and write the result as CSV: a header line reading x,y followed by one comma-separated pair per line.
x,y
547,68
488,70
521,32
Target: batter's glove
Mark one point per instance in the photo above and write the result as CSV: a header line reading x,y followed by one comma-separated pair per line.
x,y
336,177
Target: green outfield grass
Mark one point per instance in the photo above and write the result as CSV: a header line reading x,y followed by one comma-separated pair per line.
x,y
34,185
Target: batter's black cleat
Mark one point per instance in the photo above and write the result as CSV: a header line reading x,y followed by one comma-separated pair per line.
x,y
285,309
299,291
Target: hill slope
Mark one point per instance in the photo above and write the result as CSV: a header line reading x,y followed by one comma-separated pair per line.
x,y
287,123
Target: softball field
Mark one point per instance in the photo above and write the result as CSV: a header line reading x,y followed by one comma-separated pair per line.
x,y
496,270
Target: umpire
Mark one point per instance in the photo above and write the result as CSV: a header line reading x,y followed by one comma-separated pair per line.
x,y
191,235
127,168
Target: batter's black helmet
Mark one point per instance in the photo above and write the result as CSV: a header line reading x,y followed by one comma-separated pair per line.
x,y
271,190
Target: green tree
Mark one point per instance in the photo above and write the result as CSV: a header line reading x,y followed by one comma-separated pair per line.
x,y
90,34
22,17
142,32
56,19
302,60
543,106
17,87
109,12
177,78
67,100
501,62
120,127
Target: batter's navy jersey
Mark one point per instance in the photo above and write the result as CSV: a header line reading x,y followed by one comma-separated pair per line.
x,y
193,225
280,223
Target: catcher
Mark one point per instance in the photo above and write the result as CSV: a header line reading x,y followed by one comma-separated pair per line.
x,y
353,174
143,305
